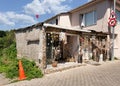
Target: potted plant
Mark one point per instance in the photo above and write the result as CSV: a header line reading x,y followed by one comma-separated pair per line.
x,y
54,63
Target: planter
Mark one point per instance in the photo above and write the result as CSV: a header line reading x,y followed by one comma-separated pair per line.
x,y
54,64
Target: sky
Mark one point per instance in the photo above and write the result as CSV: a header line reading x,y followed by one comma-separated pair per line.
x,y
15,14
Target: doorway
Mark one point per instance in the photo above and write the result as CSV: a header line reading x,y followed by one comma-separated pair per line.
x,y
61,50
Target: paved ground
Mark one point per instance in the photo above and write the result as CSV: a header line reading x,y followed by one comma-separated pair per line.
x,y
107,74
3,80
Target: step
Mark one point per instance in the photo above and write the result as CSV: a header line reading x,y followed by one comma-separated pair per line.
x,y
61,67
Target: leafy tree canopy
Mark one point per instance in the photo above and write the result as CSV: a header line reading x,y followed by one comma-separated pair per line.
x,y
6,38
2,33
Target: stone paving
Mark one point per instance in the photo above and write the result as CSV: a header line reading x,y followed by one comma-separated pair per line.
x,y
106,74
3,80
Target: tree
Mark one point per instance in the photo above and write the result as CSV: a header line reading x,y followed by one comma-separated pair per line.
x,y
2,33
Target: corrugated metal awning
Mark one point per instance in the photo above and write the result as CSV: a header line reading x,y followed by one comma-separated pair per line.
x,y
65,28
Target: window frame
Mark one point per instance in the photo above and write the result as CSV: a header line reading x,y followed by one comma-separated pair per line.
x,y
94,19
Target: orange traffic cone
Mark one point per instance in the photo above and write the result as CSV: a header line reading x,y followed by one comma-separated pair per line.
x,y
21,71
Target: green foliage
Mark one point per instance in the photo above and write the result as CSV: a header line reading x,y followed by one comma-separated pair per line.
x,y
0,52
3,69
12,69
2,33
10,52
31,70
1,43
7,44
7,39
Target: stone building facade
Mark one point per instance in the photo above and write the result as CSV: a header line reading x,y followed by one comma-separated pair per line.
x,y
85,26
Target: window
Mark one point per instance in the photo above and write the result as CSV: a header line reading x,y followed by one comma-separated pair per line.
x,y
118,16
89,18
56,21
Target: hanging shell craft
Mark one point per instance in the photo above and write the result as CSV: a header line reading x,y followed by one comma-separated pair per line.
x,y
62,37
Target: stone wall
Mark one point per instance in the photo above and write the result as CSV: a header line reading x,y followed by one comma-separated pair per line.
x,y
28,43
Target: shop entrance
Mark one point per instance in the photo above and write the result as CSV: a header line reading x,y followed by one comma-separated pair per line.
x,y
61,50
94,47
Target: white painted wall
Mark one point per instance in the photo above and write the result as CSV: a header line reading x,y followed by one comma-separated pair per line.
x,y
64,20
101,9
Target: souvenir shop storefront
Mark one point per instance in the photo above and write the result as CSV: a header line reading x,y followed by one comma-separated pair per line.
x,y
64,45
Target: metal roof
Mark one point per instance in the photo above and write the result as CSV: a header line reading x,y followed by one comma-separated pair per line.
x,y
65,28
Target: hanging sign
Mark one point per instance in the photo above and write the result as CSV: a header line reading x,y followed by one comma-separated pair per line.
x,y
112,19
